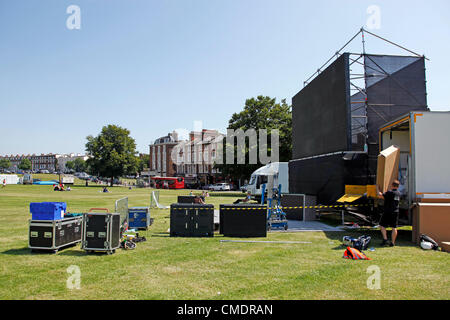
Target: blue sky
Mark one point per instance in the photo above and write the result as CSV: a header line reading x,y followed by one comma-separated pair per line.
x,y
154,66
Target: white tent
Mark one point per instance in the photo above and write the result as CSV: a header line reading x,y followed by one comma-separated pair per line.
x,y
10,178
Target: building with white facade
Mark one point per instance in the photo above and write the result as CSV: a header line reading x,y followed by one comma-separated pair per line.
x,y
50,162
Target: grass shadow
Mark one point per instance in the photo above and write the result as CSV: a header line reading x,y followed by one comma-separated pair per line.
x,y
89,186
72,253
161,235
83,253
18,252
403,237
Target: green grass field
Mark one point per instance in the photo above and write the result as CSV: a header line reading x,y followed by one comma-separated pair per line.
x,y
204,268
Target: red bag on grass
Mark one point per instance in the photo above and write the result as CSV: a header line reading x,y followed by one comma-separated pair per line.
x,y
354,254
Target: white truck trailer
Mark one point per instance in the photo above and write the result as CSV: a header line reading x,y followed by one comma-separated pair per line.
x,y
67,179
424,141
280,173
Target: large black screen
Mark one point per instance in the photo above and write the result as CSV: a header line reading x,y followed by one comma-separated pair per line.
x,y
396,85
321,113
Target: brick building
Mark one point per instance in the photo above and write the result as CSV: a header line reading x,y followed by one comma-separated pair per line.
x,y
195,158
38,162
51,162
192,159
161,163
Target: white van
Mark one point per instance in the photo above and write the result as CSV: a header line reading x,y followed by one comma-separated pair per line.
x,y
280,172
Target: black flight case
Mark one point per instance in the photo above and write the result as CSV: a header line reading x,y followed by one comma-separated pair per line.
x,y
243,220
101,231
52,235
191,220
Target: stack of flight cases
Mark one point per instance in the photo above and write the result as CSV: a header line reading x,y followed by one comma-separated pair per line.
x,y
191,220
101,231
49,229
243,220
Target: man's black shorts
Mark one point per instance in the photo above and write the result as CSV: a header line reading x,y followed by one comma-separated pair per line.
x,y
389,220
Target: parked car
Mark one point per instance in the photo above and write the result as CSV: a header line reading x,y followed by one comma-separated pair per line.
x,y
244,188
220,187
83,176
192,185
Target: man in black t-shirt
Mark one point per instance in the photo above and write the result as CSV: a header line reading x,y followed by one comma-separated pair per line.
x,y
391,211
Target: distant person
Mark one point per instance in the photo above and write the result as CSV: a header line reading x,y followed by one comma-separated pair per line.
x,y
391,212
247,199
191,193
4,183
87,183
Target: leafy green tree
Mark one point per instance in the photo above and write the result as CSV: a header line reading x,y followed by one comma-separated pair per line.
x,y
144,162
5,164
25,164
70,165
113,153
260,113
79,165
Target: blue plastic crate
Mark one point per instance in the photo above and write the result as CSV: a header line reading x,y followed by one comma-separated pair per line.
x,y
47,210
139,217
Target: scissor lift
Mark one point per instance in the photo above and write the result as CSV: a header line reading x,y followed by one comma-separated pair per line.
x,y
276,217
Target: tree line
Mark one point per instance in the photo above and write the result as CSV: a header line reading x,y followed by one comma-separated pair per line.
x,y
25,164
